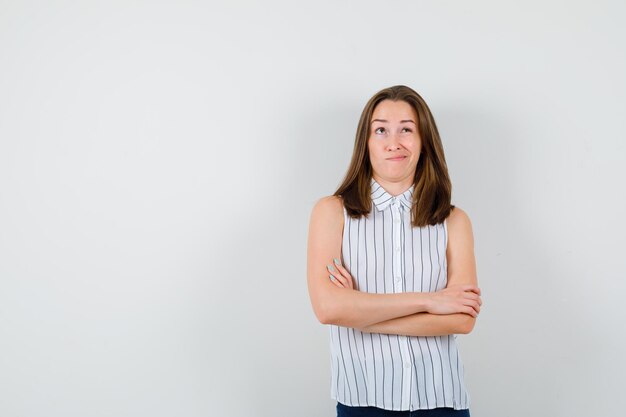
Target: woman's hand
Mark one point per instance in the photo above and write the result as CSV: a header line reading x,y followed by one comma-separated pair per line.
x,y
456,299
340,275
450,300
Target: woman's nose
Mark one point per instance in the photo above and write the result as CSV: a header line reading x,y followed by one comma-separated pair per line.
x,y
394,142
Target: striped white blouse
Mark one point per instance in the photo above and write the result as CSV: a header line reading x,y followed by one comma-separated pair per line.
x,y
385,254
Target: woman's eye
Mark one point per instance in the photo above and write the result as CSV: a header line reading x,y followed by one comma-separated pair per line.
x,y
379,130
407,129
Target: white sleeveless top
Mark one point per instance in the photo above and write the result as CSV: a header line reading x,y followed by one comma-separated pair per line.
x,y
385,254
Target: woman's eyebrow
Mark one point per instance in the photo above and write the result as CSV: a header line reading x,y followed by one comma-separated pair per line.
x,y
386,121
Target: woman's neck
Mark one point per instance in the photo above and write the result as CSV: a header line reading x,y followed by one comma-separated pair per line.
x,y
394,187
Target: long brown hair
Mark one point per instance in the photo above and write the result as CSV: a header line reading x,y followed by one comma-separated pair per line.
x,y
433,189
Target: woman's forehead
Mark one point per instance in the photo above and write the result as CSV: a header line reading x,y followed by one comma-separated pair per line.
x,y
393,111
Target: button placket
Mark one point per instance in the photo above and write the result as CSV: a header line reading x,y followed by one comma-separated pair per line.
x,y
396,211
397,259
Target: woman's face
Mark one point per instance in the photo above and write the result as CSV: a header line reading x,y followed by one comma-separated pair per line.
x,y
394,143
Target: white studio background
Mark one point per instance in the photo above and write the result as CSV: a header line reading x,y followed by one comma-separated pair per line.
x,y
159,161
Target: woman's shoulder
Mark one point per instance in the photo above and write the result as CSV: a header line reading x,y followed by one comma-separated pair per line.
x,y
328,208
457,214
458,220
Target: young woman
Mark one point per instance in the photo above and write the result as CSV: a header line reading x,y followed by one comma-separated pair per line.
x,y
391,268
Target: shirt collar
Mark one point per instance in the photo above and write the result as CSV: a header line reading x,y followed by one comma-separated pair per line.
x,y
382,198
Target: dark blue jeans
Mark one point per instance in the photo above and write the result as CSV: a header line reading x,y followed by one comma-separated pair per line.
x,y
349,411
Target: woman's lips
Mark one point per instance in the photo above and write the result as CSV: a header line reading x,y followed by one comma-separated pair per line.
x,y
399,158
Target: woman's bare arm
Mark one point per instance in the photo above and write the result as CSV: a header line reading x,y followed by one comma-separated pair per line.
x,y
461,270
351,308
424,324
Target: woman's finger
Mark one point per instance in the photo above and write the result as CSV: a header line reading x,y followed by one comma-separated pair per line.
x,y
337,273
337,276
343,271
472,296
470,311
471,288
333,276
340,267
335,281
350,281
343,280
475,306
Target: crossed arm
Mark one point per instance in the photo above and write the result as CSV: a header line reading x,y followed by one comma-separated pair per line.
x,y
449,311
422,323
